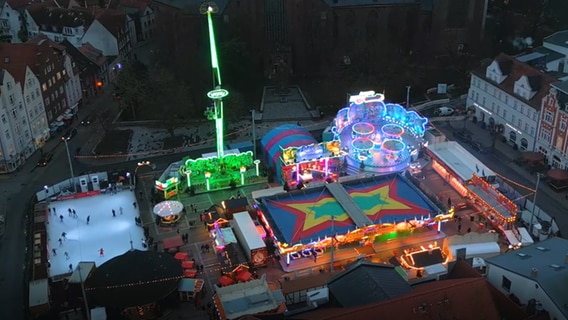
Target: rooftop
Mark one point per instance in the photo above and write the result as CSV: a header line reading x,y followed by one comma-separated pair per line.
x,y
365,282
53,19
246,298
514,69
539,55
559,38
460,160
287,104
549,258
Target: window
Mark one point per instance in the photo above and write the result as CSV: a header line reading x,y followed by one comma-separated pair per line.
x,y
507,100
563,124
58,75
532,131
506,284
9,85
526,126
545,135
28,99
37,91
476,96
522,108
61,90
548,116
64,72
11,97
4,118
7,133
519,123
44,87
505,114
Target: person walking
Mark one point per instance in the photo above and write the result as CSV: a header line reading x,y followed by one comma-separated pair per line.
x,y
101,252
88,219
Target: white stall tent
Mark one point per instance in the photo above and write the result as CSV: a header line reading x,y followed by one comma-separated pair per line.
x,y
483,250
521,237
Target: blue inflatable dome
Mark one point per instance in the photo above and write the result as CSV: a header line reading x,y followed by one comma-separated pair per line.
x,y
284,136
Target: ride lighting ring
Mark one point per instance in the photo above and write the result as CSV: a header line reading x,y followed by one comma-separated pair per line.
x,y
362,144
392,130
393,145
363,128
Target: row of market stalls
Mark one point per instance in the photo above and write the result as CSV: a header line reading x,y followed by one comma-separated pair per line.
x,y
473,181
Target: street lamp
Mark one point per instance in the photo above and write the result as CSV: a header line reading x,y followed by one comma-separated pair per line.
x,y
538,175
188,173
243,170
253,134
70,164
207,176
256,163
46,188
138,165
408,96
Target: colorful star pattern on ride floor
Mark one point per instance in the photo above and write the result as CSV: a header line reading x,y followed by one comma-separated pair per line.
x,y
306,216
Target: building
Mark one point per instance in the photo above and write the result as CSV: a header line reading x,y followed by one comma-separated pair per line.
x,y
56,23
10,21
535,276
91,64
142,19
24,126
558,42
507,95
552,140
319,37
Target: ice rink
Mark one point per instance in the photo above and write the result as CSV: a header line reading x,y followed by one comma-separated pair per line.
x,y
84,241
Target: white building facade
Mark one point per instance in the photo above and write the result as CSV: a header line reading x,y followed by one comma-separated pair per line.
x,y
10,24
73,92
35,108
507,95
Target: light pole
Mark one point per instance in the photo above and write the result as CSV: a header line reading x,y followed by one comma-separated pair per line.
x,y
253,134
70,164
138,165
538,175
408,97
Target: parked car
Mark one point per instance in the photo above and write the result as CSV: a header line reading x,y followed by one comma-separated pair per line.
x,y
462,136
444,111
478,146
69,134
86,121
44,159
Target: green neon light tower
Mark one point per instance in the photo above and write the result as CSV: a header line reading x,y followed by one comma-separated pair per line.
x,y
217,94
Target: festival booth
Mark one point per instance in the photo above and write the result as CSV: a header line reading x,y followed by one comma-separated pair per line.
x,y
496,207
214,219
377,136
282,137
313,162
191,289
168,212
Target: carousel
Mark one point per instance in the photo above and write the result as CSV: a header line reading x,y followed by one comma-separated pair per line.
x,y
168,212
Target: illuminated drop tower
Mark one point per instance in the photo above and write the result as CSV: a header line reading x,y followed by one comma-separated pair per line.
x,y
215,112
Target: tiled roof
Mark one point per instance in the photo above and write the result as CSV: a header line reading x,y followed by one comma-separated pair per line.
x,y
81,61
462,299
15,58
514,70
53,19
364,282
113,20
20,4
93,54
559,38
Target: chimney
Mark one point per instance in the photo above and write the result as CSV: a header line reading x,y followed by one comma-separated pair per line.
x,y
534,272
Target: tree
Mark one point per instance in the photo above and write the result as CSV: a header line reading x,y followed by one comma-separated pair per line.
x,y
132,85
171,96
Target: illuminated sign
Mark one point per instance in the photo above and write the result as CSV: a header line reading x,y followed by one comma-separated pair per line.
x,y
217,94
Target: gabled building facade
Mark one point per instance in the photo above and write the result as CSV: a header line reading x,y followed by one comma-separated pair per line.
x,y
536,275
552,139
90,73
142,19
507,95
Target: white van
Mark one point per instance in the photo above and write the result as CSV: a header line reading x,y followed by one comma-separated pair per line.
x,y
444,111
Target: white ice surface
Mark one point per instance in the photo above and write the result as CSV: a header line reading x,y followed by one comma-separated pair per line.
x,y
103,231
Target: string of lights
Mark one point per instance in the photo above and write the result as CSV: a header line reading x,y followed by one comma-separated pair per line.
x,y
515,183
173,150
134,284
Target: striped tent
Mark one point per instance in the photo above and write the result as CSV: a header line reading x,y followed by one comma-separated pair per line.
x,y
287,135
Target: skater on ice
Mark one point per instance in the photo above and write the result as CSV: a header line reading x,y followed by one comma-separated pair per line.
x,y
88,219
54,252
61,218
70,267
134,205
113,213
60,242
64,235
66,255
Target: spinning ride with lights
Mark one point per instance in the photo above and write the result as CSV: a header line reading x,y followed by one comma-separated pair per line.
x,y
377,136
224,168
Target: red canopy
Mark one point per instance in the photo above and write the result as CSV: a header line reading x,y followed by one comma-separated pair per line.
x,y
244,276
181,256
557,174
187,264
225,281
